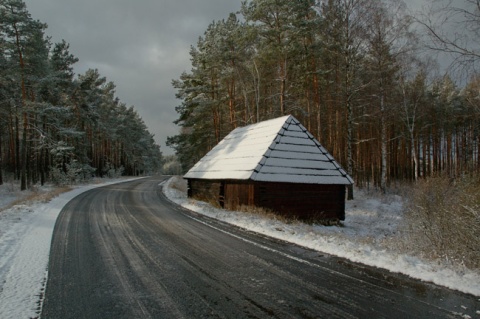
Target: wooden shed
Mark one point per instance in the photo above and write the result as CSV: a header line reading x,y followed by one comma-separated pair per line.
x,y
275,164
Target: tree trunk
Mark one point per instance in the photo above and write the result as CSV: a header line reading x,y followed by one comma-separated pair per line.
x,y
231,103
12,147
349,150
414,156
23,173
383,141
1,160
283,88
42,167
23,183
18,162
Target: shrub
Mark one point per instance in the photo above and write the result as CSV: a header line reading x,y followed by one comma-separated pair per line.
x,y
443,220
111,172
75,172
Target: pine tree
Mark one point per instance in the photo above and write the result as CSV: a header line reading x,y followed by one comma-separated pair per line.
x,y
25,45
54,126
277,27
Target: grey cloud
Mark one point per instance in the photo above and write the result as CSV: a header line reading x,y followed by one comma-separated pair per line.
x,y
139,45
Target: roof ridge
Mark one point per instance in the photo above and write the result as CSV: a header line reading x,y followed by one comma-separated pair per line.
x,y
269,148
271,151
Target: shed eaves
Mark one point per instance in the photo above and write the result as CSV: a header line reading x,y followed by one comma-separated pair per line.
x,y
278,150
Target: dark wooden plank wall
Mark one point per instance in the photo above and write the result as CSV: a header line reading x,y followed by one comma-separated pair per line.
x,y
238,194
305,201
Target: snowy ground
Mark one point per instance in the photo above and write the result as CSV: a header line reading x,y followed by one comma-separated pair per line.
x,y
26,226
27,220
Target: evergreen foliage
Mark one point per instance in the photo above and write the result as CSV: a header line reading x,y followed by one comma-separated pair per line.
x,y
53,126
351,71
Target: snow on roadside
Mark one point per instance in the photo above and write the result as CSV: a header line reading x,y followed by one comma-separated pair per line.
x,y
25,237
368,230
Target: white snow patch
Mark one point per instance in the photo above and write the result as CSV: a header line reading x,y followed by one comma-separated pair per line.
x,y
369,228
25,237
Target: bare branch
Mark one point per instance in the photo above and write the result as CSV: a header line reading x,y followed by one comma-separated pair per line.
x,y
453,29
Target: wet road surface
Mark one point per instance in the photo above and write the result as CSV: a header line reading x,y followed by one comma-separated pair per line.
x,y
125,251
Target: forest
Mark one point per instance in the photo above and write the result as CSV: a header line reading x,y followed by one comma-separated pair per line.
x,y
55,126
365,77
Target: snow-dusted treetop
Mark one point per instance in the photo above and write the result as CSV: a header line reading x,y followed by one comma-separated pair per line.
x,y
278,150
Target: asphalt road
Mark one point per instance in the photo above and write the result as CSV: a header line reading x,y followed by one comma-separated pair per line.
x,y
125,251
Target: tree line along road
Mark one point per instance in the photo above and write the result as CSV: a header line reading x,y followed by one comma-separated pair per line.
x,y
125,251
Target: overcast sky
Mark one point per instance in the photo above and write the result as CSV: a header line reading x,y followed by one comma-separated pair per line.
x,y
139,45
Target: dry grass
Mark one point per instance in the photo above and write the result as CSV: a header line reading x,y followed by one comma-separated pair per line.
x,y
288,219
267,213
257,211
45,198
211,201
443,220
179,183
37,196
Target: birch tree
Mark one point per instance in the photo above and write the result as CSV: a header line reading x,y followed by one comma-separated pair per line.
x,y
387,34
348,20
413,94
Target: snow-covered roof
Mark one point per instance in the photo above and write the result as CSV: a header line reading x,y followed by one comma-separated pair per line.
x,y
278,150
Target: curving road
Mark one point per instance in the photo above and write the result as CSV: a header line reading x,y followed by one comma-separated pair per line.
x,y
125,251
